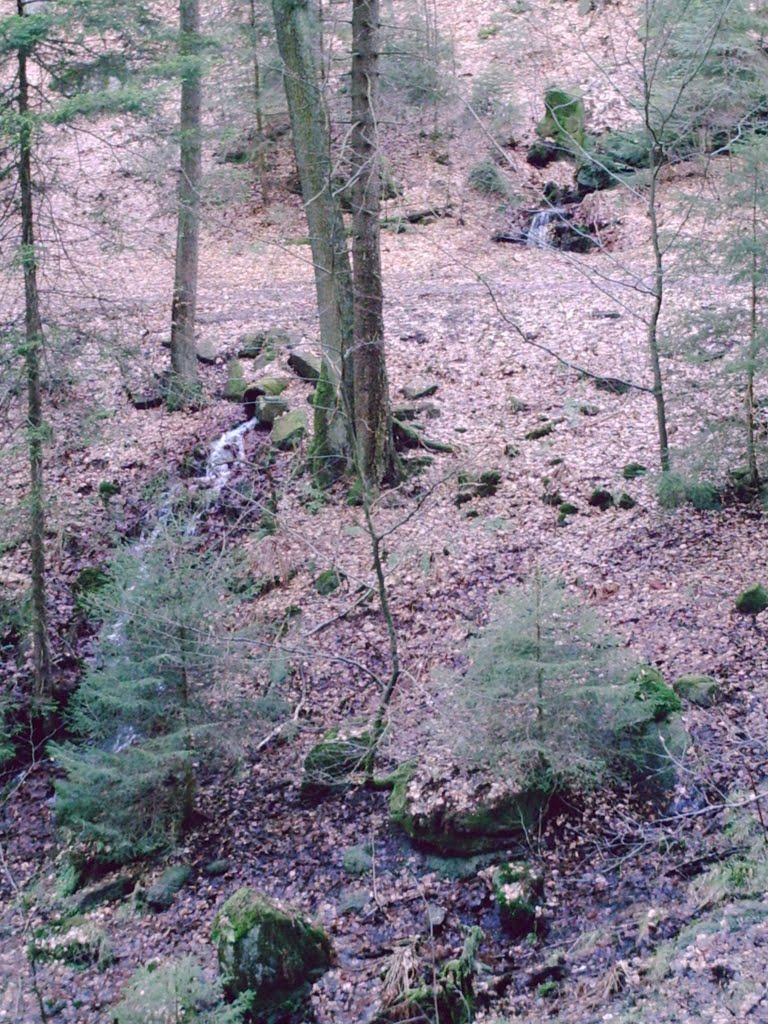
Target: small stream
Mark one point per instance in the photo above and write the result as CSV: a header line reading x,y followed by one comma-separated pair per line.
x,y
538,236
225,454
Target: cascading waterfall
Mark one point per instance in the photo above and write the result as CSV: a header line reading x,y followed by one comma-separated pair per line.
x,y
538,232
225,454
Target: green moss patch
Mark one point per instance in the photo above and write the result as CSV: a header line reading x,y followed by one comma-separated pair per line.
x,y
703,691
269,949
753,600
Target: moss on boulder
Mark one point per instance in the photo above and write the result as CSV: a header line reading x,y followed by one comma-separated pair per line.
x,y
753,600
305,365
269,949
267,408
703,691
289,430
235,386
543,430
77,942
328,581
518,890
563,120
330,763
472,816
165,889
650,687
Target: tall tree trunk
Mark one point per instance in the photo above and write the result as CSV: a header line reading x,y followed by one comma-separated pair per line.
x,y
261,156
753,349
184,385
374,448
657,292
297,30
33,341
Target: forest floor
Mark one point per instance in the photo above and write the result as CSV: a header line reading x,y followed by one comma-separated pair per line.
x,y
636,927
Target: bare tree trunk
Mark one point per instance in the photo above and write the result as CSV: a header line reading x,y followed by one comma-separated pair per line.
x,y
374,448
184,386
657,292
752,353
261,156
297,31
33,338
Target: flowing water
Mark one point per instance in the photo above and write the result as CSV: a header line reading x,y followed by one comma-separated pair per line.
x,y
225,455
538,232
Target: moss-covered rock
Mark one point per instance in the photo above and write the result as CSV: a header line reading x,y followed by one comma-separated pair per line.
x,y
477,485
563,120
235,387
269,949
290,429
305,365
111,891
267,408
601,498
541,154
77,942
472,817
264,345
543,430
330,763
165,889
207,352
753,600
626,502
358,860
518,890
703,691
633,470
656,751
423,389
328,581
650,687
609,157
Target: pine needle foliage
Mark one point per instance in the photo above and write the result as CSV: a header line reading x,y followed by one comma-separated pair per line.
x,y
709,71
176,993
548,698
154,702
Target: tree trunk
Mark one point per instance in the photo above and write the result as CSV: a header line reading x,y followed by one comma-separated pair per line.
x,y
754,348
261,156
184,386
374,448
297,31
33,340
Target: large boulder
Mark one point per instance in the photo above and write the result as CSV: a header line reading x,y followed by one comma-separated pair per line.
x,y
469,814
269,949
329,764
305,365
563,120
289,430
703,691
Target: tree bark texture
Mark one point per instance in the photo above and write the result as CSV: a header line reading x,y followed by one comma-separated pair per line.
x,y
297,30
374,447
184,384
33,341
